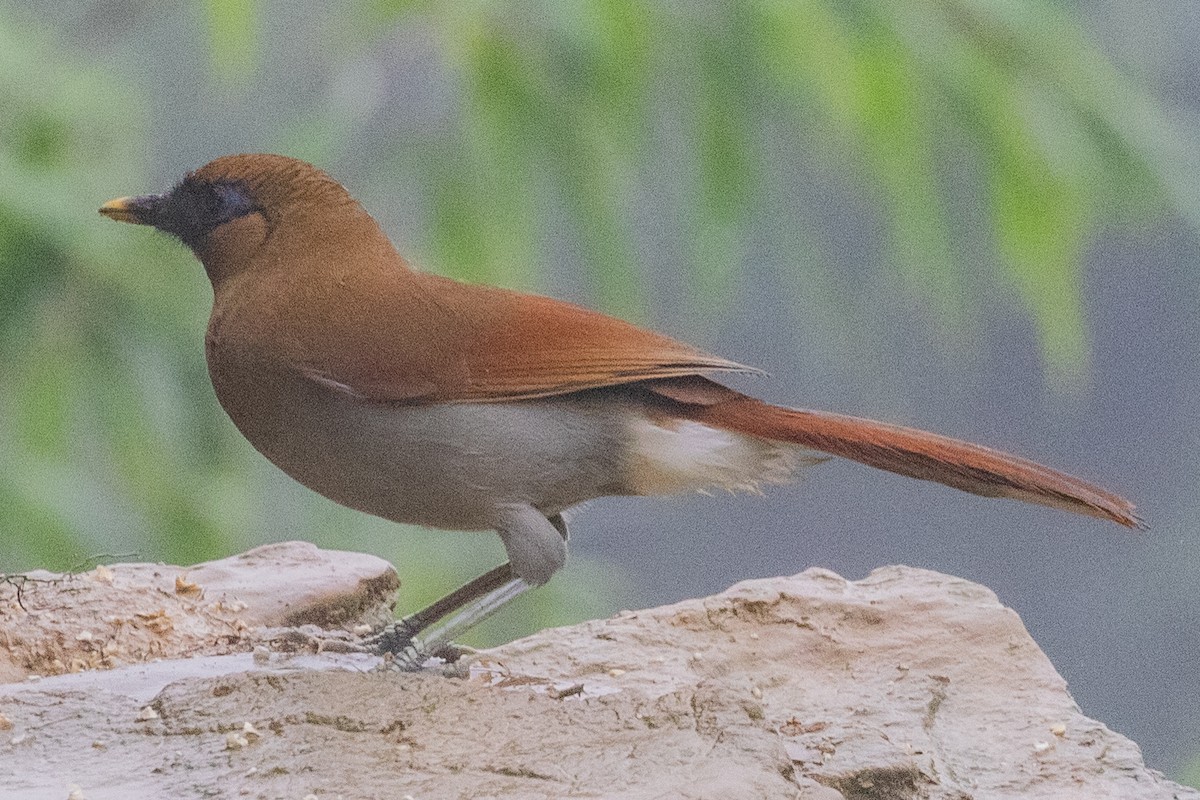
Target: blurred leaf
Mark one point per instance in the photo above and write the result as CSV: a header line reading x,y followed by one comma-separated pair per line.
x,y
900,145
50,538
485,196
728,158
559,92
66,131
1043,223
864,82
497,165
604,62
232,27
1132,134
810,55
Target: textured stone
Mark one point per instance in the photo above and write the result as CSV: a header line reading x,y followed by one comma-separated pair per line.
x,y
121,614
907,684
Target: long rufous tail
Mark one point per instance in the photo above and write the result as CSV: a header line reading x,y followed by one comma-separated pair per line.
x,y
908,451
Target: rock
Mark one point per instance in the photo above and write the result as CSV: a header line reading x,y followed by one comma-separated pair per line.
x,y
120,614
907,684
297,583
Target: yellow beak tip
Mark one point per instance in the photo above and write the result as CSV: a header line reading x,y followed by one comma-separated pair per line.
x,y
121,209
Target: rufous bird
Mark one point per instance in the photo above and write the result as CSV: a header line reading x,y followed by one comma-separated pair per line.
x,y
424,400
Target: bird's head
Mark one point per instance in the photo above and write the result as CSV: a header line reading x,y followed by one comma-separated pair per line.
x,y
227,210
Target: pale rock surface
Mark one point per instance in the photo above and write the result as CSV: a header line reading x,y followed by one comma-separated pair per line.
x,y
907,684
121,614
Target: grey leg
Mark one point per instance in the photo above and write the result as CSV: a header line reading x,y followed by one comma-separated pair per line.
x,y
396,636
411,649
416,637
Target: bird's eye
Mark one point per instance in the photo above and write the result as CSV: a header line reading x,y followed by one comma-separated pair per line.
x,y
230,201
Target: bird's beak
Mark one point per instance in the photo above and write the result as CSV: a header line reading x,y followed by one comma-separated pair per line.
x,y
137,210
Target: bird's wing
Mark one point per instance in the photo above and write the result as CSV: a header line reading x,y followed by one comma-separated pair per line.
x,y
482,344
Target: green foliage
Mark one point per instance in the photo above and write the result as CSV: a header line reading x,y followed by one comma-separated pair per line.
x,y
526,114
891,89
232,27
68,388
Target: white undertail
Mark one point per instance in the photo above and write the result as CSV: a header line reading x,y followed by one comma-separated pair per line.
x,y
671,456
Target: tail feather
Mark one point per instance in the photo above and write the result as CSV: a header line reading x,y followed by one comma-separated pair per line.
x,y
917,454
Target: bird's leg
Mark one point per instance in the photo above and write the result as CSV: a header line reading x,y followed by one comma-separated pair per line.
x,y
409,651
398,635
418,636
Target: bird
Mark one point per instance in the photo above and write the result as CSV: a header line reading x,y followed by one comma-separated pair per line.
x,y
425,400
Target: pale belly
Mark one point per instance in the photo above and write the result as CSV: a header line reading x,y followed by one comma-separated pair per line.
x,y
457,465
443,465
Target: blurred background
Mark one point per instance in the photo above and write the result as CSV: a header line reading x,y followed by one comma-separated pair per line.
x,y
978,217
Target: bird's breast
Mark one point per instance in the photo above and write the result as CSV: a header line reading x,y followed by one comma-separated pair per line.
x,y
446,465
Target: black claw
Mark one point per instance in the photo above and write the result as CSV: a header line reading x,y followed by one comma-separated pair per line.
x,y
394,638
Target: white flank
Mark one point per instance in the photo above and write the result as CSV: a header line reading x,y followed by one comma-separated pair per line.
x,y
678,455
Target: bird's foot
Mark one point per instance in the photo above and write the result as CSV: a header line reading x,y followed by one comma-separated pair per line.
x,y
408,644
397,642
392,638
404,651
